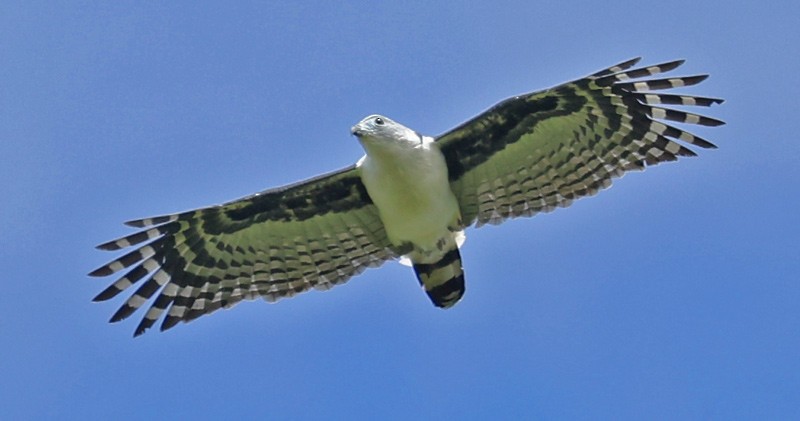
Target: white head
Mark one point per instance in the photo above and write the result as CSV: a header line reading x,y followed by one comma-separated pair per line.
x,y
377,129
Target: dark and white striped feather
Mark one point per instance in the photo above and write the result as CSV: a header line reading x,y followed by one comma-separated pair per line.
x,y
275,244
539,151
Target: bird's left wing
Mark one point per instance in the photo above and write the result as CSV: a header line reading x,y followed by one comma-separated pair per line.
x,y
542,150
274,244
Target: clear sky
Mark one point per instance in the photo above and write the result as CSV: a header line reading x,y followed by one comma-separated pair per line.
x,y
675,294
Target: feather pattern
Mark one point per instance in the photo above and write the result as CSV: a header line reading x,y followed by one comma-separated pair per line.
x,y
535,152
275,244
528,154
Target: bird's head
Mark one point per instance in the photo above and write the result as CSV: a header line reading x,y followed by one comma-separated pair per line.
x,y
377,128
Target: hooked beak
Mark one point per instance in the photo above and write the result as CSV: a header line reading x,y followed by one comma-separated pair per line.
x,y
356,131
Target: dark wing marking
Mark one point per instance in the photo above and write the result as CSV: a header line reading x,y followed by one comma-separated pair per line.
x,y
274,244
538,151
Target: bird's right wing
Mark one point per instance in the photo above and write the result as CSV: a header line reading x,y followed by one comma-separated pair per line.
x,y
274,244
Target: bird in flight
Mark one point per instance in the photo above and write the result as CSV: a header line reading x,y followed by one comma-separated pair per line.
x,y
409,197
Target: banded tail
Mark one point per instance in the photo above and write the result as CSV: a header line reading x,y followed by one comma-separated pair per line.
x,y
443,280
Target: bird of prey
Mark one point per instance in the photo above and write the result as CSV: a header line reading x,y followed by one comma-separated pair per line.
x,y
410,197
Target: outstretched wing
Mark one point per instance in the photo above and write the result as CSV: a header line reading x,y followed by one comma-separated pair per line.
x,y
274,244
538,151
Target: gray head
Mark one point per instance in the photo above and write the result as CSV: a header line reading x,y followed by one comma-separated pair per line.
x,y
377,128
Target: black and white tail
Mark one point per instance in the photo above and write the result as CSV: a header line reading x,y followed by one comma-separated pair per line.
x,y
443,280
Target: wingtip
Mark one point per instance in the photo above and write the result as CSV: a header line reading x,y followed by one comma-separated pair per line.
x,y
677,62
619,67
686,152
107,246
100,272
698,141
632,61
168,323
627,64
136,223
123,313
99,298
671,65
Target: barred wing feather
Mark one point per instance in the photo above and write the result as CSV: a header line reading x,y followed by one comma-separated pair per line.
x,y
274,244
538,151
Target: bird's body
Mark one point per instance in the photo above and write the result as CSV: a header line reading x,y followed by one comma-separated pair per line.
x,y
410,196
406,177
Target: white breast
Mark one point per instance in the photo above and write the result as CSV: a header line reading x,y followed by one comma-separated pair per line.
x,y
410,188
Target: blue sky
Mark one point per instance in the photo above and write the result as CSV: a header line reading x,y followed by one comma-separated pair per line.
x,y
672,295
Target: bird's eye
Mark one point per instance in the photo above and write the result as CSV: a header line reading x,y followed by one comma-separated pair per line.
x,y
379,121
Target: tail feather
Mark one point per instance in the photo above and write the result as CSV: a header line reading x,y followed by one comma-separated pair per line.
x,y
443,280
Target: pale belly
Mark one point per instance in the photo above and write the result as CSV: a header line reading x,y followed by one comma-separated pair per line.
x,y
413,196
